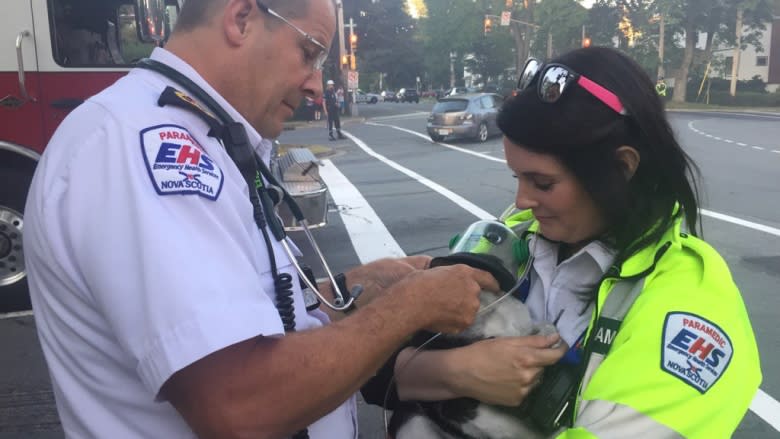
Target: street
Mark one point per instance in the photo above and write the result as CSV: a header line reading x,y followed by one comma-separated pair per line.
x,y
395,192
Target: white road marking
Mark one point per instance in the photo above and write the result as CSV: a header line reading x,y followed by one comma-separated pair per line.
x,y
453,147
696,130
776,151
740,222
763,405
452,196
767,408
13,315
368,234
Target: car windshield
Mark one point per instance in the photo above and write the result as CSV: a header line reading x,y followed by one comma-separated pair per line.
x,y
450,105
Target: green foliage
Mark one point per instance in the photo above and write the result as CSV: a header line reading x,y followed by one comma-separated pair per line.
x,y
564,19
388,42
745,99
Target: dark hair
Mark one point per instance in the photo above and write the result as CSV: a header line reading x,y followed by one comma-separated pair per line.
x,y
195,13
584,133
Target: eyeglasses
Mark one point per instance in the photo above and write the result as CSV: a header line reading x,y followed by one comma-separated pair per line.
x,y
554,79
316,61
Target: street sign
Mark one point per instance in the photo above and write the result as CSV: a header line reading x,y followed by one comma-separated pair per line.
x,y
352,80
506,16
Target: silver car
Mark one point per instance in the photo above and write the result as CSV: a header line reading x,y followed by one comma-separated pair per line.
x,y
465,116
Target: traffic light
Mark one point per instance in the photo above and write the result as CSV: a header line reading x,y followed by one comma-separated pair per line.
x,y
488,25
353,42
353,62
344,60
509,4
586,42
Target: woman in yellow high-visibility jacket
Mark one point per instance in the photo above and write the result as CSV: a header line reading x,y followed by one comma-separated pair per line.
x,y
605,186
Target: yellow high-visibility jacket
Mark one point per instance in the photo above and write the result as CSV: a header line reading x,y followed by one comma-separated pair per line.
x,y
683,362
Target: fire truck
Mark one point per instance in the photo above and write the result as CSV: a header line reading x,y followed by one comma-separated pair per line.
x,y
54,54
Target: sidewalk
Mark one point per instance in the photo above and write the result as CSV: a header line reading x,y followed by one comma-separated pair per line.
x,y
345,120
696,107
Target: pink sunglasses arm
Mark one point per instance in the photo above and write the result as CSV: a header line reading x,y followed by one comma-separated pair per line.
x,y
602,94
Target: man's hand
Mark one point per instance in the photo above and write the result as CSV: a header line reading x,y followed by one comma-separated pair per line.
x,y
502,370
446,298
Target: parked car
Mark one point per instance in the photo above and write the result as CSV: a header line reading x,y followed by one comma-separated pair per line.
x,y
370,98
389,96
409,95
465,116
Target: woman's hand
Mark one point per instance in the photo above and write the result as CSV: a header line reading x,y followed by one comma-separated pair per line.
x,y
501,370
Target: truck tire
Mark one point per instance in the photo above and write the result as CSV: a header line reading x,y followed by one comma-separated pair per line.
x,y
14,295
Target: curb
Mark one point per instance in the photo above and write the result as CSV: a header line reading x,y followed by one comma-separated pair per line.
x,y
293,125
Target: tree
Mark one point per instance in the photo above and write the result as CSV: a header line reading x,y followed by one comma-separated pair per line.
x,y
388,42
564,20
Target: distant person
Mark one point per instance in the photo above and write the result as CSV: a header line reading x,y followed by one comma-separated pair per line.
x,y
660,87
340,98
332,110
318,102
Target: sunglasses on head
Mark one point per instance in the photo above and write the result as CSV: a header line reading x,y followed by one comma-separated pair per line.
x,y
554,79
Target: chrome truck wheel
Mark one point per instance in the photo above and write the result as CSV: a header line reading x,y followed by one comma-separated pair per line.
x,y
13,274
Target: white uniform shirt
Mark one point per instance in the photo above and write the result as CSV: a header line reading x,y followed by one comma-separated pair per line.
x,y
560,291
138,268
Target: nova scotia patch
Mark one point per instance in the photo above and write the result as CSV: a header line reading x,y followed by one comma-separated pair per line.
x,y
177,164
695,350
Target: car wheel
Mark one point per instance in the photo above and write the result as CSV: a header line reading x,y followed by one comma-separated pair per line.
x,y
13,280
437,138
482,133
373,100
416,101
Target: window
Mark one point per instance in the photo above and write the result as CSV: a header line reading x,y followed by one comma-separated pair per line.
x,y
762,61
487,102
98,33
728,64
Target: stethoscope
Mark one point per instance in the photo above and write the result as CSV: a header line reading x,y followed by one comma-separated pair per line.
x,y
233,137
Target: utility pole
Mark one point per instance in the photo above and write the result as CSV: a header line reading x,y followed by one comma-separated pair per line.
x,y
353,62
737,53
549,45
661,33
342,48
453,56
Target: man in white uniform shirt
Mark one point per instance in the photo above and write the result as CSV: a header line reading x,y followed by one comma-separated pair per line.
x,y
153,296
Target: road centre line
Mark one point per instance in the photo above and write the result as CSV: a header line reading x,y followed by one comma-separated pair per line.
x,y
763,405
704,212
453,147
698,131
452,196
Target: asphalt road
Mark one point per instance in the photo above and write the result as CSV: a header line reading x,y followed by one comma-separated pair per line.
x,y
738,155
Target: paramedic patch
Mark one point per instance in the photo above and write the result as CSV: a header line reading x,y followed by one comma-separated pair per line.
x,y
695,350
177,164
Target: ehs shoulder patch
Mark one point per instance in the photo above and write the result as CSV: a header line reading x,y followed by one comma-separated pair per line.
x,y
177,164
695,350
